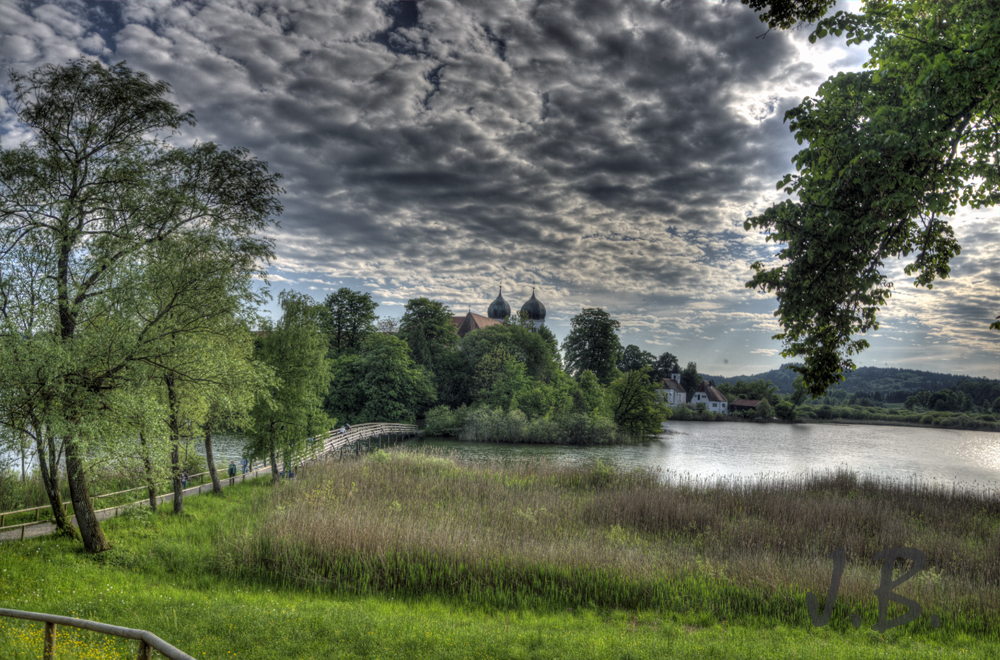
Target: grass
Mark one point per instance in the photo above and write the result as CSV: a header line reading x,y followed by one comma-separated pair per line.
x,y
229,578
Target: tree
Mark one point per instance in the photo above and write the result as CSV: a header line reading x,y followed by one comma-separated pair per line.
x,y
379,383
633,358
759,389
427,328
349,317
83,205
592,345
690,379
292,410
499,377
786,13
665,366
764,409
635,405
892,151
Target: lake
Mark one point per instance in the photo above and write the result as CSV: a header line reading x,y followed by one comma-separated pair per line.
x,y
710,450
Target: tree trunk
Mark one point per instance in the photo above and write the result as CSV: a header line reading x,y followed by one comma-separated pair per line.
x,y
50,480
86,519
275,475
148,465
175,439
216,486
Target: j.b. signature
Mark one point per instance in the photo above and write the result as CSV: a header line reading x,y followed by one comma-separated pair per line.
x,y
884,592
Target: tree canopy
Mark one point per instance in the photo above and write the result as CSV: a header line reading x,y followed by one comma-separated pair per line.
x,y
891,153
90,205
633,358
593,345
348,317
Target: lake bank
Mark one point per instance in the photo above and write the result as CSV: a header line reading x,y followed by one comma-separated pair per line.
x,y
174,576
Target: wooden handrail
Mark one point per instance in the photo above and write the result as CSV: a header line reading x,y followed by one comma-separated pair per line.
x,y
147,640
328,443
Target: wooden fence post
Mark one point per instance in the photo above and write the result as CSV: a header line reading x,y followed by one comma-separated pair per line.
x,y
50,641
145,652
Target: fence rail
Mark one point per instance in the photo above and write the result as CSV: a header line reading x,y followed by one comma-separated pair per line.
x,y
328,443
148,642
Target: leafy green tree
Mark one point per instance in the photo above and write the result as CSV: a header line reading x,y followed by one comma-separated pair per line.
x,y
593,345
633,358
785,411
427,328
690,379
786,13
892,151
525,344
379,383
295,349
499,377
349,316
635,406
552,343
84,204
665,366
589,396
757,389
764,409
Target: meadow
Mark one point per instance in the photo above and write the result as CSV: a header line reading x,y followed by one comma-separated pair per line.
x,y
412,554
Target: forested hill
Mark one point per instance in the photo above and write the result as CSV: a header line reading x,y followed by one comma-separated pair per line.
x,y
894,384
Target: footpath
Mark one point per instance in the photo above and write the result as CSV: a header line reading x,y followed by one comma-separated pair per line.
x,y
44,528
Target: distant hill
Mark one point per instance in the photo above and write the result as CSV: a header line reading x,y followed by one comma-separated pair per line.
x,y
894,384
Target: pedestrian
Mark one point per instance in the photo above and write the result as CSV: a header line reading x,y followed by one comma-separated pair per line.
x,y
342,430
184,479
232,472
245,462
348,428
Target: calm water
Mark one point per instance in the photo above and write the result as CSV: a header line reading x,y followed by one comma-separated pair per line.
x,y
748,451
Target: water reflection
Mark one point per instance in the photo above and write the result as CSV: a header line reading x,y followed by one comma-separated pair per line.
x,y
748,451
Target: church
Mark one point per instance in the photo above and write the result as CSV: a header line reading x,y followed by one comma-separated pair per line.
x,y
498,310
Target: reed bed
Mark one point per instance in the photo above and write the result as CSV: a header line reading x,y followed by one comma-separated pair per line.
x,y
526,534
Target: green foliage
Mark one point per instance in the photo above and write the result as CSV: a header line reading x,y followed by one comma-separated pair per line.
x,y
764,410
785,411
589,396
118,250
379,383
445,421
634,403
593,345
757,389
527,346
427,328
633,358
296,350
785,14
499,377
690,379
348,317
891,153
665,366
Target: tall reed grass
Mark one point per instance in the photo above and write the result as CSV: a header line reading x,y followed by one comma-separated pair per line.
x,y
497,534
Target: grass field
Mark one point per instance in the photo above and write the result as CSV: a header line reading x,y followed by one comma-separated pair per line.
x,y
307,570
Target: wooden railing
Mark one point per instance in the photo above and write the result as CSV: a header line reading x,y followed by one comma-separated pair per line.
x,y
322,445
148,642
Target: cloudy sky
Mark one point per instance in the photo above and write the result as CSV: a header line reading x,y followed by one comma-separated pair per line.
x,y
607,153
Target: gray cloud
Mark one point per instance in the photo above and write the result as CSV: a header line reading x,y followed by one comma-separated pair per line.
x,y
607,152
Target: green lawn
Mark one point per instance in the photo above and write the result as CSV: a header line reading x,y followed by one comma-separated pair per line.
x,y
166,574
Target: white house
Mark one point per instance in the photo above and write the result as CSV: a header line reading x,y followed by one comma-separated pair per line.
x,y
712,398
672,393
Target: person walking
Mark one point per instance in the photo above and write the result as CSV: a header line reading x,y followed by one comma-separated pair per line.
x,y
232,472
184,479
245,463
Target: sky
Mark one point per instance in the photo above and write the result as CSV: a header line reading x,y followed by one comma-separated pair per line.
x,y
605,153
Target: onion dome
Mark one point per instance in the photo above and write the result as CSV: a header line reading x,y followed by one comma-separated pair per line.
x,y
499,309
535,309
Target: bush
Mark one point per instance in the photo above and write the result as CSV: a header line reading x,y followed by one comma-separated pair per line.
x,y
442,420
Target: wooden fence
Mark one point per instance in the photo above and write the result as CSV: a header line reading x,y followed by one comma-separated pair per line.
x,y
148,642
328,444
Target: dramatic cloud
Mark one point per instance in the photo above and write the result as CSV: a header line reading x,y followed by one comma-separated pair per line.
x,y
607,153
